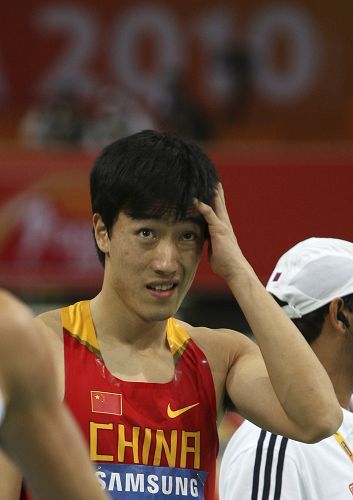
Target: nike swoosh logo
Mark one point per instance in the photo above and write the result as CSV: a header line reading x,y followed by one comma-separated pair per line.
x,y
175,413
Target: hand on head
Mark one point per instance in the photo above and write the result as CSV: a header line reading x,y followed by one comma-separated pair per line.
x,y
224,250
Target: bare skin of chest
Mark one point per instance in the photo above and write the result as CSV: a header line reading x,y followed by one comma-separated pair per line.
x,y
138,365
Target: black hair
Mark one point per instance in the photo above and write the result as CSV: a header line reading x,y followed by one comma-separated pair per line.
x,y
310,325
147,175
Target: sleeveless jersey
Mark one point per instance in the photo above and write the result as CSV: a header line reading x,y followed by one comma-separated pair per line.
x,y
148,440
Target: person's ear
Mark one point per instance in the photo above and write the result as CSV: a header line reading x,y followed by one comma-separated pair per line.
x,y
101,233
337,316
342,317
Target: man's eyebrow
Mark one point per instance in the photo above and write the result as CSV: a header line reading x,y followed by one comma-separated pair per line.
x,y
195,218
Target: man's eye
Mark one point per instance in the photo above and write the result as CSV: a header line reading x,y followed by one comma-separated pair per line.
x,y
189,236
146,233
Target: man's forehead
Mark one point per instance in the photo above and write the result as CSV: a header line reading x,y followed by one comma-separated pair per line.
x,y
171,216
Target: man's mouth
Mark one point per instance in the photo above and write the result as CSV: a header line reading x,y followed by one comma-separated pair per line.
x,y
162,288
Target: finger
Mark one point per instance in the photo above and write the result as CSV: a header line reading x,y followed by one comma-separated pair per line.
x,y
221,191
219,204
206,211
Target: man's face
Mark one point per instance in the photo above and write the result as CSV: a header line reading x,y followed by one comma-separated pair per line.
x,y
150,264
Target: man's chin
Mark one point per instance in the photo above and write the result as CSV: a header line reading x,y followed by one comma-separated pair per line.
x,y
160,313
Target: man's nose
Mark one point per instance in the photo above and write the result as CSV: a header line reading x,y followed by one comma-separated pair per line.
x,y
165,258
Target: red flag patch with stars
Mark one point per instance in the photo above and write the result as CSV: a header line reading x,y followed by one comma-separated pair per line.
x,y
106,402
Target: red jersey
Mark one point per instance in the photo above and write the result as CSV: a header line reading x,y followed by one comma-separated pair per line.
x,y
148,440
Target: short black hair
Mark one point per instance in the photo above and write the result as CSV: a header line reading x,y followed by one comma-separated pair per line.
x,y
310,325
149,174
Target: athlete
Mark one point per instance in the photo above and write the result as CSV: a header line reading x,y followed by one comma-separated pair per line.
x,y
146,388
314,283
36,429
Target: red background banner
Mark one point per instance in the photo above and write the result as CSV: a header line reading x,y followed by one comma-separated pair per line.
x,y
276,197
299,85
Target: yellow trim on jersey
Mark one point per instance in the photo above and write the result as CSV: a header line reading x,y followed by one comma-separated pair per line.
x,y
77,320
177,338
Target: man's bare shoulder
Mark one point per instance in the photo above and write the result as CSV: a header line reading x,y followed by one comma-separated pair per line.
x,y
49,325
223,348
214,335
219,344
52,320
12,310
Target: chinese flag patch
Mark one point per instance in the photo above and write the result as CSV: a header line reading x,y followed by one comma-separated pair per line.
x,y
106,402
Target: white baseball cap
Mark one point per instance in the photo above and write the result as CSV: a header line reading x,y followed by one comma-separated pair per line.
x,y
311,274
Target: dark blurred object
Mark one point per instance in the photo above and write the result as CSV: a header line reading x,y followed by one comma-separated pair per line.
x,y
184,116
116,114
214,311
56,121
238,62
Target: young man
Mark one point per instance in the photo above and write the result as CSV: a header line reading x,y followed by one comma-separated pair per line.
x,y
314,283
145,388
36,430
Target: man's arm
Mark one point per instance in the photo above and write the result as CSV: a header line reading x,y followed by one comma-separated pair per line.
x,y
38,432
46,445
300,392
10,479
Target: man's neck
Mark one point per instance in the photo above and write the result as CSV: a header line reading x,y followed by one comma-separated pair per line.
x,y
338,363
114,321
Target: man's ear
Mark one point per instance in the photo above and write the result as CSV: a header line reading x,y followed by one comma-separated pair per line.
x,y
101,233
335,315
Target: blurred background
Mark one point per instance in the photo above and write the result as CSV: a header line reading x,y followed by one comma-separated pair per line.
x,y
265,87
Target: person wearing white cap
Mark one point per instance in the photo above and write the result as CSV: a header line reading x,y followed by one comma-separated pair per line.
x,y
313,282
35,426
